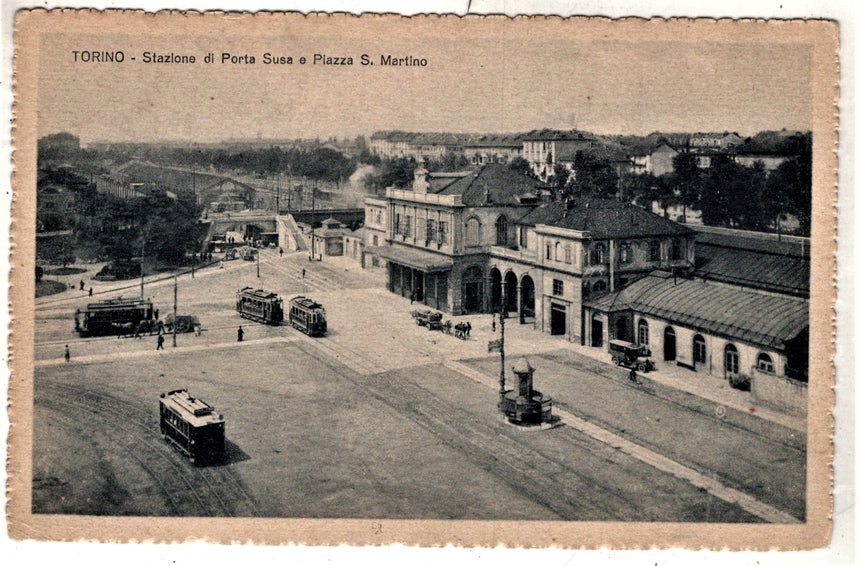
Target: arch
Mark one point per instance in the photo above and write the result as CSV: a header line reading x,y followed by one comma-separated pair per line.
x,y
502,230
527,292
643,333
700,350
510,291
599,286
557,254
495,289
764,363
473,231
669,350
472,288
732,361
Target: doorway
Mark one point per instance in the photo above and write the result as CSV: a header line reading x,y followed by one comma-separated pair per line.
x,y
558,320
669,344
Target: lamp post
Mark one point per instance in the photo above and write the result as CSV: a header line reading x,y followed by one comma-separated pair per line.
x,y
258,264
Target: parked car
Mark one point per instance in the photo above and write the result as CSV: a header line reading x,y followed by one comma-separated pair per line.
x,y
631,355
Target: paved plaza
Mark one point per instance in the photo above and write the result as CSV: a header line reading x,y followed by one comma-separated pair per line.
x,y
385,419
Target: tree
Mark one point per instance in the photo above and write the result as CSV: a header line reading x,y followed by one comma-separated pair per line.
x,y
521,165
789,188
686,181
593,176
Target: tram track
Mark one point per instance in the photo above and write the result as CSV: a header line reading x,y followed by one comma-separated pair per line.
x,y
190,491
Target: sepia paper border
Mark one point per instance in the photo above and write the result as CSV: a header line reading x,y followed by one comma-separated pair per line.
x,y
821,36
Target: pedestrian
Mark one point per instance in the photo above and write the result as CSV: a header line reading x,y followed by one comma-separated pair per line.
x,y
137,330
240,334
160,342
155,314
197,330
632,375
468,329
303,273
68,354
282,251
412,298
91,291
82,284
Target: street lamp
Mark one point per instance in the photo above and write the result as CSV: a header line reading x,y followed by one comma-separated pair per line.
x,y
502,352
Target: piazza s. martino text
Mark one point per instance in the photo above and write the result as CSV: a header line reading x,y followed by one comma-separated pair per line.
x,y
238,59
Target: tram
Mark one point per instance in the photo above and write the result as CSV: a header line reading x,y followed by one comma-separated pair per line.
x,y
260,305
115,316
192,427
308,316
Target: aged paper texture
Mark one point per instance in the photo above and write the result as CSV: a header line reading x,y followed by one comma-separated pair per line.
x,y
435,280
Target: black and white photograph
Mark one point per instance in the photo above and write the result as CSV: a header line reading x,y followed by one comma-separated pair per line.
x,y
438,280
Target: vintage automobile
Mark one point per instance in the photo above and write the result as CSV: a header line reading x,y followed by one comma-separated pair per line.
x,y
631,355
431,320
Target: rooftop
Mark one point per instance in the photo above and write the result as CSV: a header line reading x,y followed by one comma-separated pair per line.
x,y
604,218
749,316
499,182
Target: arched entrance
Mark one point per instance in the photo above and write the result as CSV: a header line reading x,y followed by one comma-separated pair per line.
x,y
669,344
472,288
527,289
732,365
510,292
495,289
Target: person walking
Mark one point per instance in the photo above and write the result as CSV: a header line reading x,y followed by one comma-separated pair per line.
x,y
632,376
82,284
468,329
68,354
303,273
160,345
412,298
240,334
91,291
282,251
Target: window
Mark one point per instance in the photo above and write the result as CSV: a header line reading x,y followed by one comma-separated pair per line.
x,y
558,251
654,250
549,251
644,337
420,229
502,231
443,232
407,226
733,360
625,254
397,222
599,286
567,254
700,351
598,254
431,230
524,237
557,287
764,363
676,249
473,232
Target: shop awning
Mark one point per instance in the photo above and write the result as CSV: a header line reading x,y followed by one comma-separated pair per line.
x,y
411,257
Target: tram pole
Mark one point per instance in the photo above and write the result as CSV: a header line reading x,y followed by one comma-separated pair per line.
x,y
502,350
142,252
258,264
175,293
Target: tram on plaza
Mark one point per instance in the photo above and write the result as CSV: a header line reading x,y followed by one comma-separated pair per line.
x,y
192,427
308,316
115,316
260,305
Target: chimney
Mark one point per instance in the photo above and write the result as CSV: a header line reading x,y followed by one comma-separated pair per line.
x,y
420,182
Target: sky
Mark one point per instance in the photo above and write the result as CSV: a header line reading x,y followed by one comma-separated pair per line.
x,y
491,82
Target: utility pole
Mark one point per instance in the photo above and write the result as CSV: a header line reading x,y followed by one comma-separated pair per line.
x,y
142,252
502,313
258,264
313,220
175,287
278,195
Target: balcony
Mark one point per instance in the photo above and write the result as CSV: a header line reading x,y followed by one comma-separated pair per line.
x,y
514,254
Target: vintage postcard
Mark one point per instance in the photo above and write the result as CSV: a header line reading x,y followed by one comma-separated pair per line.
x,y
479,281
